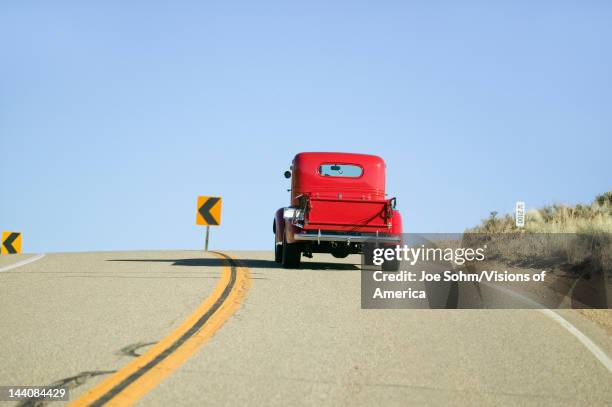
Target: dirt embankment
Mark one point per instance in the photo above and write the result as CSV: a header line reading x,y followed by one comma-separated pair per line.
x,y
602,317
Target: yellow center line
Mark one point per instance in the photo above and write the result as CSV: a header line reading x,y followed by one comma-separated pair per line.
x,y
137,378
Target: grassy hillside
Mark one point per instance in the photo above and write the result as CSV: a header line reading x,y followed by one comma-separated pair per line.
x,y
573,241
589,219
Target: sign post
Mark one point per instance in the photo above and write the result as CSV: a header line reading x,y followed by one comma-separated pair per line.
x,y
519,214
208,214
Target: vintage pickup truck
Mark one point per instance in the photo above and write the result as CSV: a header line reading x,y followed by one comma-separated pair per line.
x,y
338,206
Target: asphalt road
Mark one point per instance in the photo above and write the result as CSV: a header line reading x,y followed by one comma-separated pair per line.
x,y
281,337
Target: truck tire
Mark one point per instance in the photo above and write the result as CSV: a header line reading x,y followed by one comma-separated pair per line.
x,y
278,252
367,255
291,255
393,265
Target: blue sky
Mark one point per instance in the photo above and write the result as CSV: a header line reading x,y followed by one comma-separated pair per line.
x,y
114,116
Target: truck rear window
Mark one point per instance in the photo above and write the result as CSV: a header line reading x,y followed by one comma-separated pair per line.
x,y
340,170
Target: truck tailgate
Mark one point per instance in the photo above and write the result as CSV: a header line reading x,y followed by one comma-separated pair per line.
x,y
327,212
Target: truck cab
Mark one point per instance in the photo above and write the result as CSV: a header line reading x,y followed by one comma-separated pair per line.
x,y
338,205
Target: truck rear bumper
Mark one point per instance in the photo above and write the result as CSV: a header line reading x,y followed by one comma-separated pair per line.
x,y
322,236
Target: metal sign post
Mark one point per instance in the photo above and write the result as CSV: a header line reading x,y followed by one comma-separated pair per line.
x,y
519,214
206,242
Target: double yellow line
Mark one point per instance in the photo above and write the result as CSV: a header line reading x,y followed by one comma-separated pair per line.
x,y
140,376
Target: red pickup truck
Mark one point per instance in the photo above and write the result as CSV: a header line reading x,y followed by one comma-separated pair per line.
x,y
338,206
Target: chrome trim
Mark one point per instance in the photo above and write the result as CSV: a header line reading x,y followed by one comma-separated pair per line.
x,y
319,237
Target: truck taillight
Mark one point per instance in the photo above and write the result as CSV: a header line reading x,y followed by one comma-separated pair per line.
x,y
293,214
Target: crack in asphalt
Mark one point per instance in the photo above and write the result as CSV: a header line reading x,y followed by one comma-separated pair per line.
x,y
130,350
71,382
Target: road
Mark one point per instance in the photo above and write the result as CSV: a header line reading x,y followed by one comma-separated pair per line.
x,y
116,327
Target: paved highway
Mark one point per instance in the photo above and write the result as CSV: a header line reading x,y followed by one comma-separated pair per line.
x,y
193,328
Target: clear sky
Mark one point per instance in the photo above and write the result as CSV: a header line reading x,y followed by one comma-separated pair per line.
x,y
115,116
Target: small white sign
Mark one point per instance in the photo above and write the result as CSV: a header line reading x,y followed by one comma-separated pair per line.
x,y
519,214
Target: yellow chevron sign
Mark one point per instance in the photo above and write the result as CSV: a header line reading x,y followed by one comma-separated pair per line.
x,y
11,243
209,211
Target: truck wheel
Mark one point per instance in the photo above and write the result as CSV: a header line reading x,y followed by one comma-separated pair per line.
x,y
368,254
393,265
278,252
291,255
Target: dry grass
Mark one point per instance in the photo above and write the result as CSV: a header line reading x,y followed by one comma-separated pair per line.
x,y
571,234
584,219
576,241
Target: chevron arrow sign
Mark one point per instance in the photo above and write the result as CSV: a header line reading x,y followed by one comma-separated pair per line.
x,y
11,243
209,211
